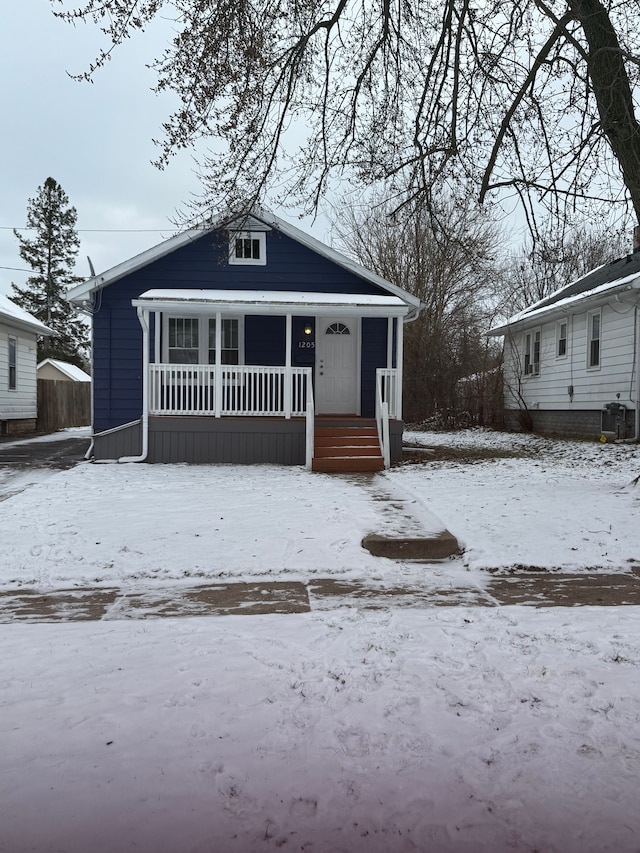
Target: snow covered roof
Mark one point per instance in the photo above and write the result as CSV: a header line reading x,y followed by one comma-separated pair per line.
x,y
261,302
72,371
13,315
621,274
268,220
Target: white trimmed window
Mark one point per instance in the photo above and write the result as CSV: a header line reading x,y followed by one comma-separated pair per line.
x,y
192,340
230,344
13,363
561,339
594,320
183,344
248,248
532,352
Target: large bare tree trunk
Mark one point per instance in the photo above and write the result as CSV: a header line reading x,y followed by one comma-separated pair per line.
x,y
612,91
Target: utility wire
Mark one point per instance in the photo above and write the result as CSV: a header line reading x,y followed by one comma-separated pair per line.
x,y
97,230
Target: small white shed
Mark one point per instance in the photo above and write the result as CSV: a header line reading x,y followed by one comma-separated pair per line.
x,y
61,371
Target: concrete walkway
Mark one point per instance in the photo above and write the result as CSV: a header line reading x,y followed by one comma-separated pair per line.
x,y
547,590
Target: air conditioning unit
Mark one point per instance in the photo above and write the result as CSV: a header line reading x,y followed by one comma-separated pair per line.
x,y
613,420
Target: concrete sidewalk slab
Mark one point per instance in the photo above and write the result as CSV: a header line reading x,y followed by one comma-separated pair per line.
x,y
75,605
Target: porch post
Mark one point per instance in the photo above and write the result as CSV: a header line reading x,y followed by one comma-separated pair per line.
x,y
287,371
399,350
156,342
218,365
389,342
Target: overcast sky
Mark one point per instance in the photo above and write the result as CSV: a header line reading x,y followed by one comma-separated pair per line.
x,y
94,139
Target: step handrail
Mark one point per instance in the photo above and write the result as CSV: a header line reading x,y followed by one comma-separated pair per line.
x,y
310,425
382,422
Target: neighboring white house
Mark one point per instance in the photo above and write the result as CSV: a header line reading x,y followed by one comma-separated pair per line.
x,y
61,371
19,333
572,360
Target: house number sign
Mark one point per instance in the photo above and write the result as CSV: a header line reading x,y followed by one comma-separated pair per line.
x,y
306,344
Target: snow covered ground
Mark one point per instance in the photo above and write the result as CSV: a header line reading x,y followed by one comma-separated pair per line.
x,y
402,729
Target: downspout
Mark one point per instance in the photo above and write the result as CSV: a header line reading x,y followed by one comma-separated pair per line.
x,y
143,317
92,404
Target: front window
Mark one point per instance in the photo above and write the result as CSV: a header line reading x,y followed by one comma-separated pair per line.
x,y
593,348
532,352
230,343
183,340
13,358
248,248
192,340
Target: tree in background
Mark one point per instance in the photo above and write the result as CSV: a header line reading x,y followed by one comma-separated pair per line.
x,y
555,259
451,261
51,253
532,98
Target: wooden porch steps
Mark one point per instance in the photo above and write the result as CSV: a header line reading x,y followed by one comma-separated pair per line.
x,y
345,445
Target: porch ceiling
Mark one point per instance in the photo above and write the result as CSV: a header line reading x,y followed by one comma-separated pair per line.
x,y
272,302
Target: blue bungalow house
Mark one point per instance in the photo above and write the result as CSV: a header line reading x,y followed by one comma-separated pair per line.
x,y
244,341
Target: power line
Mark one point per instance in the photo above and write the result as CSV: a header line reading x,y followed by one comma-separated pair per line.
x,y
97,230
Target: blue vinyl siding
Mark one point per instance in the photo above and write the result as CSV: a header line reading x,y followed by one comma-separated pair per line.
x,y
264,340
374,355
203,263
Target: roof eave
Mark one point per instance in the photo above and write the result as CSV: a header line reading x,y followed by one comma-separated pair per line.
x,y
562,307
81,294
25,326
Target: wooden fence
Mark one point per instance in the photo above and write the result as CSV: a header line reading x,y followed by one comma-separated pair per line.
x,y
63,404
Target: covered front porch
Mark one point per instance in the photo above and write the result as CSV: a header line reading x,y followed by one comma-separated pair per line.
x,y
201,386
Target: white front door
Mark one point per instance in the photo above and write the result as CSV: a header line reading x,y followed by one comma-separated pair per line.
x,y
336,387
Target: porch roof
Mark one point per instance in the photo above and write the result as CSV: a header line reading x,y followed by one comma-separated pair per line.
x,y
272,302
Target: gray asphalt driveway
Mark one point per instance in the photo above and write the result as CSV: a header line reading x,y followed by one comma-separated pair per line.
x,y
27,461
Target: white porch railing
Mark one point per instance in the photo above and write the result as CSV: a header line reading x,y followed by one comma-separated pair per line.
x,y
191,389
382,423
387,382
387,406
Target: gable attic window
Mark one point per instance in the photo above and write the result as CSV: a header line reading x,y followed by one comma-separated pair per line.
x,y
532,352
248,248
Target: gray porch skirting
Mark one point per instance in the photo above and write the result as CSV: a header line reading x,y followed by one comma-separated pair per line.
x,y
241,441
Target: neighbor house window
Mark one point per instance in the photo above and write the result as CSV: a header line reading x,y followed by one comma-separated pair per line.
x,y
183,340
593,344
561,339
248,247
13,357
532,352
230,343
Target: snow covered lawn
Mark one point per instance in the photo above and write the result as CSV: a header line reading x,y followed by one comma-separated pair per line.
x,y
443,729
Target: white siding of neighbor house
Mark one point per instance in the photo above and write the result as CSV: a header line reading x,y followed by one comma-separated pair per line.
x,y
592,387
23,401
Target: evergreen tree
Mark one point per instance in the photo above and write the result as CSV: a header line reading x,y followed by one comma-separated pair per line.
x,y
51,253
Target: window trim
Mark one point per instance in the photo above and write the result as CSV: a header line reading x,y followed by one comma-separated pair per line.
x,y
12,369
240,348
531,365
560,339
170,349
260,237
591,364
203,336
